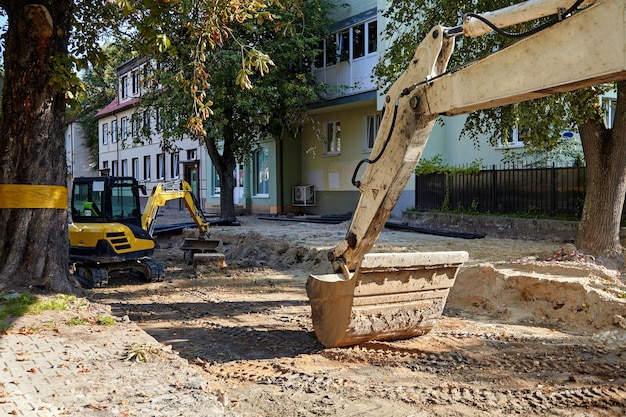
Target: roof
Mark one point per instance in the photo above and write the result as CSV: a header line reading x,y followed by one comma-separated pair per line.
x,y
115,107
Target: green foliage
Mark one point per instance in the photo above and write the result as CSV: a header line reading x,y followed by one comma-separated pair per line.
x,y
105,320
543,120
77,321
249,95
435,165
100,80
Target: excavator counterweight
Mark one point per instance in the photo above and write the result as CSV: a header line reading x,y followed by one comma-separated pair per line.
x,y
376,296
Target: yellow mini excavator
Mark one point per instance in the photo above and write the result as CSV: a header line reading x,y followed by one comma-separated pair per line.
x,y
377,296
109,233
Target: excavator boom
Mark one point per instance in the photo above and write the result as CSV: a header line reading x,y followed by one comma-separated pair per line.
x,y
201,250
405,294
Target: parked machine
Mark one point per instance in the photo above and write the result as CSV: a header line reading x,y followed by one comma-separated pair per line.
x,y
377,296
109,233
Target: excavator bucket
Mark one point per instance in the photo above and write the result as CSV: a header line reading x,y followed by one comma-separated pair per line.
x,y
204,251
390,296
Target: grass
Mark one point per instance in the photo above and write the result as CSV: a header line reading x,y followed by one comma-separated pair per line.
x,y
13,305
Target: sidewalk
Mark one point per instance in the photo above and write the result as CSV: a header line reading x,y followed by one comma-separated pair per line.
x,y
49,367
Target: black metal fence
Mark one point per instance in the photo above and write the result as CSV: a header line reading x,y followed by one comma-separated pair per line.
x,y
551,191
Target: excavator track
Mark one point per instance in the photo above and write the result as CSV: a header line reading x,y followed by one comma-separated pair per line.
x,y
92,276
151,270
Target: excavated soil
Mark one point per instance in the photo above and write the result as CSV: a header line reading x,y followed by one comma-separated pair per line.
x,y
527,330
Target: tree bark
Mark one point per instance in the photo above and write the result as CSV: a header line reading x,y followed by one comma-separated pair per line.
x,y
225,164
33,242
605,155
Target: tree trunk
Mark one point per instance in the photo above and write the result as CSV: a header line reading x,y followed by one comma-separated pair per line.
x,y
605,151
225,165
33,241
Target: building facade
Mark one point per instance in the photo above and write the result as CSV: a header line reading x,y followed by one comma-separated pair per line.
x,y
123,153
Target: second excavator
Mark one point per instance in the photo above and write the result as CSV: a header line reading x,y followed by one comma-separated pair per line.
x,y
109,233
378,296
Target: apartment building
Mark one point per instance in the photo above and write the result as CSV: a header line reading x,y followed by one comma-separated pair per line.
x,y
121,153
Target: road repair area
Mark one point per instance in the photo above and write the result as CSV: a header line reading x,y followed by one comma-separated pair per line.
x,y
524,332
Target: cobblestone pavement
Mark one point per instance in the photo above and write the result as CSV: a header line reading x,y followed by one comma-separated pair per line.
x,y
50,366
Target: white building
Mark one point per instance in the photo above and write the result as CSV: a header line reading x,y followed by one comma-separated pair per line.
x,y
120,153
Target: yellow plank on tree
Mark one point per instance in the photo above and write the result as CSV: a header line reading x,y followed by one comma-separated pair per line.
x,y
28,196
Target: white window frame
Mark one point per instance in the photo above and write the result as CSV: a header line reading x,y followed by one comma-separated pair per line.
x,y
135,167
113,131
160,166
609,105
261,172
105,133
332,138
175,165
124,167
515,140
372,124
147,174
343,44
124,128
124,87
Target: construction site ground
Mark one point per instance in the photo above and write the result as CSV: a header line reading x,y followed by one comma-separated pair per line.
x,y
527,330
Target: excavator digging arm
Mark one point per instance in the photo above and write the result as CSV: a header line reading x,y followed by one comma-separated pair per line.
x,y
164,192
400,295
572,54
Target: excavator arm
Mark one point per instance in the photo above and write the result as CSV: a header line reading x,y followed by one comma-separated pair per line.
x,y
582,50
167,191
393,296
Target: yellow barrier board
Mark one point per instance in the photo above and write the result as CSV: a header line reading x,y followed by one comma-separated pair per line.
x,y
27,196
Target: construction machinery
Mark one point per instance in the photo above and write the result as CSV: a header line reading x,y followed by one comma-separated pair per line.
x,y
377,296
108,233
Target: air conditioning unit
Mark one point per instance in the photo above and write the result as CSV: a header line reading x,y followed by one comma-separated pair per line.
x,y
303,195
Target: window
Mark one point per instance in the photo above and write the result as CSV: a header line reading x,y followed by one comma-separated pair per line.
x,y
160,166
191,154
609,105
175,169
124,167
105,133
105,166
261,172
373,124
113,131
136,80
344,45
358,41
349,44
124,86
146,123
158,121
124,128
216,183
146,167
372,37
514,139
332,144
114,170
331,50
135,125
135,168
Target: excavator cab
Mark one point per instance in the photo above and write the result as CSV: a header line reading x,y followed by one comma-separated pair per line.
x,y
106,234
106,199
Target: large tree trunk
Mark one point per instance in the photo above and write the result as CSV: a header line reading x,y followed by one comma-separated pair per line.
x,y
225,164
605,155
33,241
